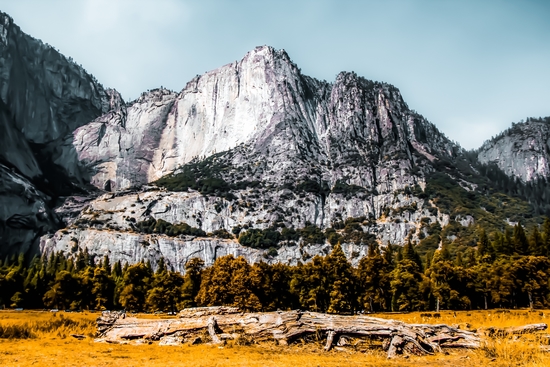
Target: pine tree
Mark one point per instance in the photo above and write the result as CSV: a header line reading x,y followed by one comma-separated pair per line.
x,y
531,276
192,282
447,285
310,285
106,265
373,273
409,253
406,286
483,246
521,244
117,270
135,284
63,292
161,266
86,298
165,293
342,282
242,286
536,244
546,236
458,260
102,288
228,282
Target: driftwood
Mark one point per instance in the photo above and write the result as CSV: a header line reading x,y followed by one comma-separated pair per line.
x,y
218,324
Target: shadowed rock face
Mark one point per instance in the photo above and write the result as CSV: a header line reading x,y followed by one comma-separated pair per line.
x,y
24,213
44,97
523,151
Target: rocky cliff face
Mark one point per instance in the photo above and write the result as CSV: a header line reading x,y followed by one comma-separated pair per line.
x,y
266,105
106,225
269,147
44,97
254,146
523,151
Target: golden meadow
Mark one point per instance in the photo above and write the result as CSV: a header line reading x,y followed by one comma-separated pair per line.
x,y
41,338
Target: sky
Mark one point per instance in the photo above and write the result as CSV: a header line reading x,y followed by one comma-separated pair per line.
x,y
470,67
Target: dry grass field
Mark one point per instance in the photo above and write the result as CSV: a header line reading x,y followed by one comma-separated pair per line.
x,y
33,338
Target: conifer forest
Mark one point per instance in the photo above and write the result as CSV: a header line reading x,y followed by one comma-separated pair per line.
x,y
504,270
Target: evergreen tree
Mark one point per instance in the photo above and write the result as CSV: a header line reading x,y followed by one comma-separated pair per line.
x,y
192,282
482,282
483,245
165,293
310,285
103,288
228,282
63,292
546,236
406,286
341,282
242,286
447,285
409,253
135,283
374,279
536,243
106,265
272,286
86,299
501,283
521,244
531,276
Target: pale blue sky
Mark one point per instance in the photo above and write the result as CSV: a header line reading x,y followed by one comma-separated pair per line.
x,y
470,67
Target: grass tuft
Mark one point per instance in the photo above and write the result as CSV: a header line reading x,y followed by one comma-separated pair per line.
x,y
46,326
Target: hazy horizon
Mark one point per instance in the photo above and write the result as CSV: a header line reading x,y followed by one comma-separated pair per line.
x,y
470,67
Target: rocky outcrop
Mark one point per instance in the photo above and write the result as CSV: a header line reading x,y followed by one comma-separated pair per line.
x,y
128,247
106,226
523,151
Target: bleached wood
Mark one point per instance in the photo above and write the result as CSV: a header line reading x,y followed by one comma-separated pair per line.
x,y
284,327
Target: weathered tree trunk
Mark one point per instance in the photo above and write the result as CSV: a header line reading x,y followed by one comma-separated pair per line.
x,y
217,324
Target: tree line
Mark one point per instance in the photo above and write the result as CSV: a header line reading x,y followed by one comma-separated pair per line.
x,y
506,270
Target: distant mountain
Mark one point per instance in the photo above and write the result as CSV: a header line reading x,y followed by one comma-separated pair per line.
x,y
522,151
254,159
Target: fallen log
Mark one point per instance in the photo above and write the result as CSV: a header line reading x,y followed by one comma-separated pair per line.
x,y
218,324
514,330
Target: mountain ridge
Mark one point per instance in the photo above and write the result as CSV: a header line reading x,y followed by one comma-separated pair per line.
x,y
255,157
